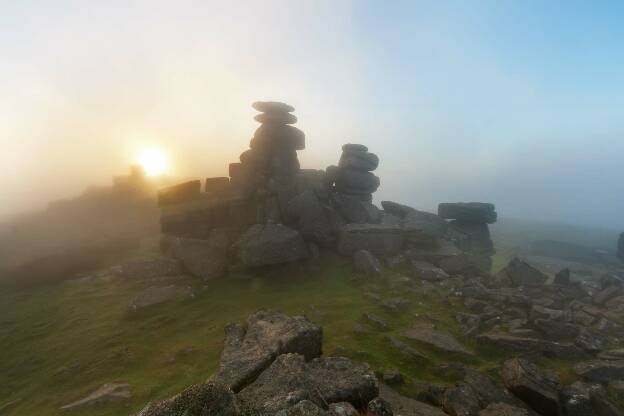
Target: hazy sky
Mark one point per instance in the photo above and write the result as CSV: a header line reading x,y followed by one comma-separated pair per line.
x,y
518,103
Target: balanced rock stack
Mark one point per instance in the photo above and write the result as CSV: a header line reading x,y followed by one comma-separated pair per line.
x,y
620,252
470,220
269,168
353,174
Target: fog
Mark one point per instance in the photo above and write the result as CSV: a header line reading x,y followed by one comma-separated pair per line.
x,y
520,104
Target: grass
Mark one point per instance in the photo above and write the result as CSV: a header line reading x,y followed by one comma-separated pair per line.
x,y
60,342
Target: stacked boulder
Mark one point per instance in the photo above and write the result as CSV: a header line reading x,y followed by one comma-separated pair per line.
x,y
469,225
353,175
620,252
268,169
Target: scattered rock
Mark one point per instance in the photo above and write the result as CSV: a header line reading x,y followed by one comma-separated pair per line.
x,y
395,305
427,271
537,389
460,400
438,339
404,406
527,345
392,376
521,273
601,371
503,409
251,349
158,294
375,321
290,379
379,407
107,393
342,409
407,351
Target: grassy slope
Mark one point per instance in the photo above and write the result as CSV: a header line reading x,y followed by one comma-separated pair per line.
x,y
58,343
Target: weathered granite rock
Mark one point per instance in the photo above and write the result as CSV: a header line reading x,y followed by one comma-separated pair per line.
x,y
460,400
276,118
392,376
359,160
304,408
379,407
524,344
469,212
250,349
343,409
271,244
520,273
107,393
158,294
180,193
355,211
353,181
436,338
404,406
537,389
315,221
487,391
581,399
197,400
290,379
201,258
272,107
407,351
601,371
381,240
476,238
427,271
277,136
365,262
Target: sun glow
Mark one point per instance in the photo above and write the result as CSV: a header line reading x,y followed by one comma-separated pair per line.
x,y
154,161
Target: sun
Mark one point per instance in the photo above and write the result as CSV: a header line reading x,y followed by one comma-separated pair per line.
x,y
153,161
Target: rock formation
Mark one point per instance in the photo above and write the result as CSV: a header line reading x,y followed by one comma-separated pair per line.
x,y
469,222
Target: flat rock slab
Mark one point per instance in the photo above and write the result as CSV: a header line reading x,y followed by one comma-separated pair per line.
x,y
107,393
470,212
436,338
272,107
404,406
250,349
158,294
323,381
600,370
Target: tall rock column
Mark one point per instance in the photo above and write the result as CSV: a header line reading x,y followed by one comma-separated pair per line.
x,y
268,169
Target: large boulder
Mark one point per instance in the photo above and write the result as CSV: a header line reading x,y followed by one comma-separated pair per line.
x,y
436,338
270,244
536,388
315,221
355,211
522,344
365,262
381,240
520,273
405,406
250,349
468,212
201,258
290,379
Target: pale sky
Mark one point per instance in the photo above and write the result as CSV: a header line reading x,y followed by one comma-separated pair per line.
x,y
520,103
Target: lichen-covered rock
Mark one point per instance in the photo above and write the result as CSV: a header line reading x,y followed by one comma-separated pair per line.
x,y
601,371
250,349
270,244
290,379
198,400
